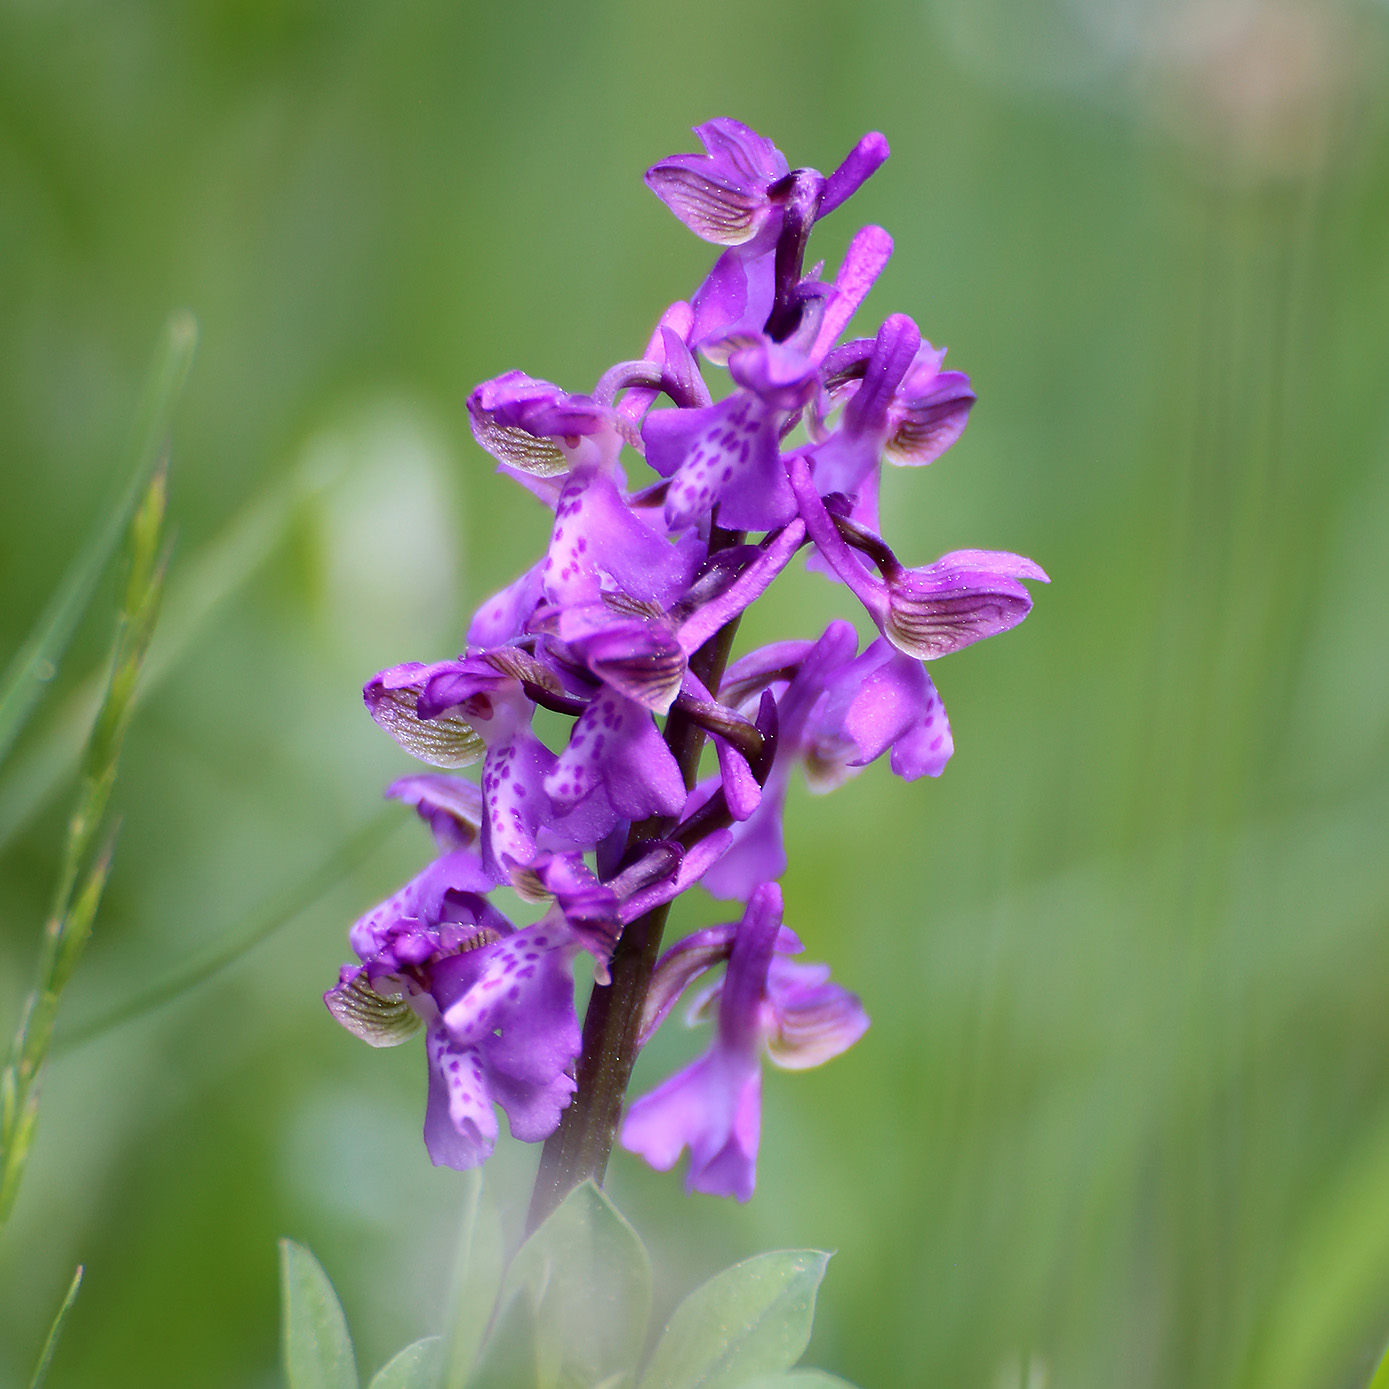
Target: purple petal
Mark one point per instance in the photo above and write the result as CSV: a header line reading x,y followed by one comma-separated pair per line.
x,y
750,585
867,254
678,968
420,900
721,194
744,985
694,864
678,320
879,700
931,422
379,1019
504,615
449,805
713,210
860,164
513,786
497,410
532,1109
589,907
779,375
749,675
727,453
962,598
758,851
869,590
740,788
596,535
517,997
392,699
616,743
740,152
925,748
815,1018
894,351
714,1108
643,660
738,294
460,1125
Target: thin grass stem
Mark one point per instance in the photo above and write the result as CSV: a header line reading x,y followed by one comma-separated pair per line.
x,y
55,1331
85,867
36,662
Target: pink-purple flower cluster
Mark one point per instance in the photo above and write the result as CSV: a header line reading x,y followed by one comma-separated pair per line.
x,y
625,627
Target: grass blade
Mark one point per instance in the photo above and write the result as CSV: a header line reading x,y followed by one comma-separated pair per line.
x,y
54,1331
82,877
35,663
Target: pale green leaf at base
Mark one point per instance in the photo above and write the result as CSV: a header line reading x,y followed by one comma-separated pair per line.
x,y
508,1360
317,1349
590,1278
415,1367
477,1274
752,1319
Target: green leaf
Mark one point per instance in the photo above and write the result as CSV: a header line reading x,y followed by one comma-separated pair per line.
x,y
590,1279
752,1319
54,1331
35,662
415,1367
509,1359
477,1271
317,1348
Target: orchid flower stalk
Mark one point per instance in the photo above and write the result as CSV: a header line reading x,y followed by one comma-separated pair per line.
x,y
626,627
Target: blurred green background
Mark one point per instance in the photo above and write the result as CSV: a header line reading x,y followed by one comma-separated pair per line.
x,y
1123,1118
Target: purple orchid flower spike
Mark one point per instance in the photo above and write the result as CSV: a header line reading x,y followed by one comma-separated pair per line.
x,y
714,1107
624,627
